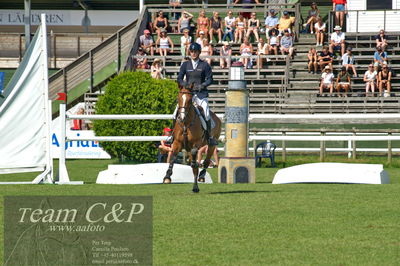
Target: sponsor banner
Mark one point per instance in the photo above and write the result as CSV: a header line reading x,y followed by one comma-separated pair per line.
x,y
70,17
78,230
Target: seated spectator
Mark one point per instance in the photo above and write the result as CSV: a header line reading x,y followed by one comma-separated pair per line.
x,y
78,124
320,29
313,15
164,44
229,22
202,23
246,50
226,50
206,50
381,40
273,41
326,81
380,56
201,38
175,4
325,58
348,61
184,22
285,23
253,25
160,23
369,79
141,60
216,27
337,40
262,49
240,30
186,40
147,43
271,22
286,43
247,15
343,81
312,60
384,81
165,149
204,150
157,69
340,9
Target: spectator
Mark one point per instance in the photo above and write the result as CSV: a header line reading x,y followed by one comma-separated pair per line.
x,y
325,58
164,44
287,44
157,69
184,21
384,80
206,50
186,40
225,51
229,22
160,23
312,60
175,4
240,30
320,29
343,81
165,149
326,80
141,60
251,3
271,22
380,56
285,23
337,40
147,42
204,150
273,41
202,23
201,37
340,9
313,15
381,40
348,61
78,123
253,25
216,27
246,50
262,49
369,79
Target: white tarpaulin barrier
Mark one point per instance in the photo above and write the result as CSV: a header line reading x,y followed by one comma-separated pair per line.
x,y
25,113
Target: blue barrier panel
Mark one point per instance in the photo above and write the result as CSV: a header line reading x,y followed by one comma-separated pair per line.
x,y
1,82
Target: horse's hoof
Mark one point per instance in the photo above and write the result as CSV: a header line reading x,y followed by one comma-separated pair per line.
x,y
167,180
201,179
195,190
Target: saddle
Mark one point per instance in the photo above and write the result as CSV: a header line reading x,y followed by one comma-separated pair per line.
x,y
200,112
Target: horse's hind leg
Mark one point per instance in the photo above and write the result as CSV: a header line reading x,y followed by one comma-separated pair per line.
x,y
167,177
206,163
195,168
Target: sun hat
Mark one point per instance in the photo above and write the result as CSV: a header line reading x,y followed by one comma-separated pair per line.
x,y
225,43
146,31
337,27
327,67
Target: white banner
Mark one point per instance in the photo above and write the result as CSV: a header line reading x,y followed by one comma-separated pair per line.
x,y
70,17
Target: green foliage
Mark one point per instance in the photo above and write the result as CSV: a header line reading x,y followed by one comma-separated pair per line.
x,y
135,93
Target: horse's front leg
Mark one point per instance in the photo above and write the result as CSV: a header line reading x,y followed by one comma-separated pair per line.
x,y
167,177
206,163
195,168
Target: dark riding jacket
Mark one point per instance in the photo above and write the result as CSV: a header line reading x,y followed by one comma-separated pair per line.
x,y
201,77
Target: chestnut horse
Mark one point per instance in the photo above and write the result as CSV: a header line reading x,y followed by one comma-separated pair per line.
x,y
188,134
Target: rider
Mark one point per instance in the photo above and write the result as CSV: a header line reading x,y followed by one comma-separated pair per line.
x,y
198,73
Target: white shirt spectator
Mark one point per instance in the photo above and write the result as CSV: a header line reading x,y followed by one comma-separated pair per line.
x,y
184,40
371,76
262,49
317,27
273,40
229,21
337,38
327,77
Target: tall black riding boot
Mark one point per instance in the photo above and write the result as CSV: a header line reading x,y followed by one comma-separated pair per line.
x,y
211,141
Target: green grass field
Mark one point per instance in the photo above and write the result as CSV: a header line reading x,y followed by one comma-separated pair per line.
x,y
256,224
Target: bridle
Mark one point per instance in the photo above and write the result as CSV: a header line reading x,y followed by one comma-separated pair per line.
x,y
183,109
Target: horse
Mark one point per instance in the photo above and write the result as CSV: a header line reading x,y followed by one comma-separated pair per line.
x,y
188,134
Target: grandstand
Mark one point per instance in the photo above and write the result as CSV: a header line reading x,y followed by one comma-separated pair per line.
x,y
283,85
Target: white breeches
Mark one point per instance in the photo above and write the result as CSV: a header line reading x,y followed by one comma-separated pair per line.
x,y
201,102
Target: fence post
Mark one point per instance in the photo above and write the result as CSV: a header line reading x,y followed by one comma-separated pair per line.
x,y
118,51
284,148
91,70
389,148
55,49
254,147
322,147
354,145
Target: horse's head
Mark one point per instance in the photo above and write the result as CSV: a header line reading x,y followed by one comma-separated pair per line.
x,y
184,101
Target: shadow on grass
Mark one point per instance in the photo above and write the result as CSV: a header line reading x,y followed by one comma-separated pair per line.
x,y
245,191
